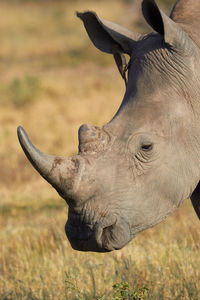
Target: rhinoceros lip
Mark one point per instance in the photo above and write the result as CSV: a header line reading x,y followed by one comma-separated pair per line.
x,y
88,243
102,238
87,237
116,235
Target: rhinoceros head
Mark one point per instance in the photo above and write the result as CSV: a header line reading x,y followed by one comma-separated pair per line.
x,y
134,171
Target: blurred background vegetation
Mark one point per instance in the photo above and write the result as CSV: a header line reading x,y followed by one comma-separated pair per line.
x,y
52,80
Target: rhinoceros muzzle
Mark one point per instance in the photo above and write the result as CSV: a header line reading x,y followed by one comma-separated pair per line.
x,y
86,237
106,234
97,238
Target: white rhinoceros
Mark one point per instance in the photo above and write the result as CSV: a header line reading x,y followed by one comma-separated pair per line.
x,y
137,169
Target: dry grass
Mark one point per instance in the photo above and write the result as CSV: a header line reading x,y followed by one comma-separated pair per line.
x,y
70,83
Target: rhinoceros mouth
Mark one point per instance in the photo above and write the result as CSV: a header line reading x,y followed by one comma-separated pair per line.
x,y
86,237
98,238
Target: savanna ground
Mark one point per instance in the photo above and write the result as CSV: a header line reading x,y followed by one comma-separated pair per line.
x,y
51,81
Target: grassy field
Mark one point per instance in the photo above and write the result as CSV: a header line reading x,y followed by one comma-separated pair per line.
x,y
52,81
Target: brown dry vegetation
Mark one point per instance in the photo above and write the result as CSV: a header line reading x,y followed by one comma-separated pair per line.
x,y
52,81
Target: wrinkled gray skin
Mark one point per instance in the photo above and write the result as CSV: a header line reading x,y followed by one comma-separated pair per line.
x,y
137,169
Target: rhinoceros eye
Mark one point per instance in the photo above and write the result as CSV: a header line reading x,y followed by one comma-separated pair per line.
x,y
147,147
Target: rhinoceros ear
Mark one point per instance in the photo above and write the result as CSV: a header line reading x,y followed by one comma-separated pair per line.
x,y
195,198
105,35
173,35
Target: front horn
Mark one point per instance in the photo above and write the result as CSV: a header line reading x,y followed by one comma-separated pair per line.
x,y
64,174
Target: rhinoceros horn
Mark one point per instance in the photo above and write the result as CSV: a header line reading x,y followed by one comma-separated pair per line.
x,y
62,173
